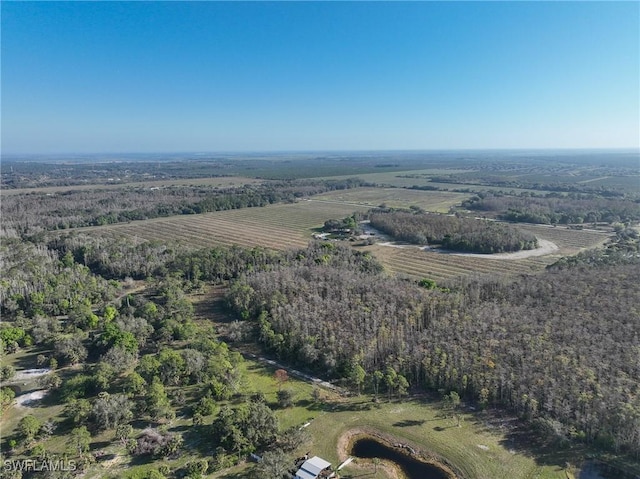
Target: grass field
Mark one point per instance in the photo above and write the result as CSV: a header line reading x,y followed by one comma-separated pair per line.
x,y
438,201
407,179
481,448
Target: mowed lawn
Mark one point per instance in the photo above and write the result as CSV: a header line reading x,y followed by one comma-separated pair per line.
x,y
478,449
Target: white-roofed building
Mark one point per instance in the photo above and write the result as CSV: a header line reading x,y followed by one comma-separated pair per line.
x,y
312,468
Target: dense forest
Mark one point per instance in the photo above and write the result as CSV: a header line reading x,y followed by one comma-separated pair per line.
x,y
451,232
31,213
556,209
561,348
116,358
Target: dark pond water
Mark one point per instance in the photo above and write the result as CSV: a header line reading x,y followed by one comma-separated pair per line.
x,y
414,469
599,470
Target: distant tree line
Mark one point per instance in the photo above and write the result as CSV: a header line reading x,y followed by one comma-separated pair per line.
x,y
451,232
25,215
559,348
549,184
71,171
556,209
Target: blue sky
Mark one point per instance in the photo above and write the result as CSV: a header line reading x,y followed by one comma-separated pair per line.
x,y
229,76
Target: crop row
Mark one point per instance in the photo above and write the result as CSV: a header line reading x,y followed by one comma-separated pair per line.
x,y
412,262
219,232
277,226
567,238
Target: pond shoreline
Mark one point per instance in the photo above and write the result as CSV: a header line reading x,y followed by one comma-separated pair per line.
x,y
349,437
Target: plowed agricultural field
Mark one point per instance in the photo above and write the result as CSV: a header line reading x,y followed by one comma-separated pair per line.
x,y
277,226
438,201
415,263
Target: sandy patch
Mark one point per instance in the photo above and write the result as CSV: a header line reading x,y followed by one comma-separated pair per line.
x,y
28,374
26,400
111,463
545,247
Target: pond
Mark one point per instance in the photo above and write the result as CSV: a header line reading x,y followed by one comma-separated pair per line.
x,y
369,448
600,470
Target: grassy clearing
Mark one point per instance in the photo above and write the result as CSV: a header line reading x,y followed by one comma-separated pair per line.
x,y
409,178
476,449
438,201
477,452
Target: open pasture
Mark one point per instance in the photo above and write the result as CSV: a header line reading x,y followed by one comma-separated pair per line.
x,y
278,226
630,184
438,201
407,179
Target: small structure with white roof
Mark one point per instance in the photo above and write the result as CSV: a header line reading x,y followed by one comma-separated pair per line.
x,y
313,468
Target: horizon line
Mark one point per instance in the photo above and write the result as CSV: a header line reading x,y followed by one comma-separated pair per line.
x,y
314,151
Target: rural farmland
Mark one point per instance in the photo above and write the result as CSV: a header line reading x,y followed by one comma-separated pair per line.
x,y
284,226
436,201
279,226
416,263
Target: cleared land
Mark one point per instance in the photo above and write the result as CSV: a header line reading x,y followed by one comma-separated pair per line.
x,y
415,263
409,178
437,201
279,226
285,226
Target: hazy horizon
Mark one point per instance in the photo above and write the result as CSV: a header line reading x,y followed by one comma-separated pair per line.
x,y
482,153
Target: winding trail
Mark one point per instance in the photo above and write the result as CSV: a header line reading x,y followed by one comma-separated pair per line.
x,y
294,372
